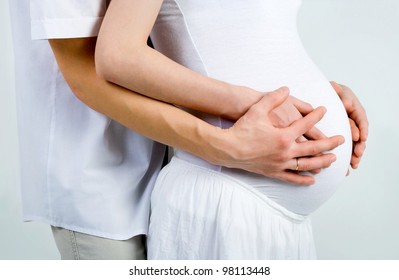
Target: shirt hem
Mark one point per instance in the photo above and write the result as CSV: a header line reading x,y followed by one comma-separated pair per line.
x,y
65,28
108,235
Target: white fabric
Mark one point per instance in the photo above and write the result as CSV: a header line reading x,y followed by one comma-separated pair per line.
x,y
66,19
199,213
80,170
256,44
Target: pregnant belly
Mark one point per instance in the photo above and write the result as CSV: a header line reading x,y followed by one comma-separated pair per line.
x,y
294,69
299,199
304,200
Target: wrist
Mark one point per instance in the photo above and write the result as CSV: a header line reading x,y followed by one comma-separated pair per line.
x,y
220,146
242,98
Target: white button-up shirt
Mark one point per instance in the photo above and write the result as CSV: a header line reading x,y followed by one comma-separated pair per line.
x,y
80,170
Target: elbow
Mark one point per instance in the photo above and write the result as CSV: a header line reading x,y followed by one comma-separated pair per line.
x,y
115,62
105,60
120,62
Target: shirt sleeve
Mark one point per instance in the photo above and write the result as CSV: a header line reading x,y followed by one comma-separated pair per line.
x,y
52,19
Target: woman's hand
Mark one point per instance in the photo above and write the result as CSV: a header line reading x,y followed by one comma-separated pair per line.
x,y
293,109
358,121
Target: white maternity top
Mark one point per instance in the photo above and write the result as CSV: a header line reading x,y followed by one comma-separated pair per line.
x,y
255,43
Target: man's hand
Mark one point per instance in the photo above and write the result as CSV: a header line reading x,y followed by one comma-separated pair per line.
x,y
357,119
272,151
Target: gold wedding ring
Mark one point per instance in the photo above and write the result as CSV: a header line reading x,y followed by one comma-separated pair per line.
x,y
297,164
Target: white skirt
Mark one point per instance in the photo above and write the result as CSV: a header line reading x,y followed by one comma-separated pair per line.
x,y
198,213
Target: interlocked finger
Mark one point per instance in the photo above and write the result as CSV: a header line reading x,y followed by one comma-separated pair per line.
x,y
303,125
312,148
315,134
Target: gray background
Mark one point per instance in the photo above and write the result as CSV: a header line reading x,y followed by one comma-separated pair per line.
x,y
355,42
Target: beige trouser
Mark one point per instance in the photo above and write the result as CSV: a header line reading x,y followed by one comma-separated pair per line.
x,y
73,245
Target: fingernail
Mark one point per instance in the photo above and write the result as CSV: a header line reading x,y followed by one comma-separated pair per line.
x,y
332,159
341,140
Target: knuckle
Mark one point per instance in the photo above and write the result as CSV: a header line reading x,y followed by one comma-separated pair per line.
x,y
305,164
314,150
284,157
347,102
284,141
281,156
